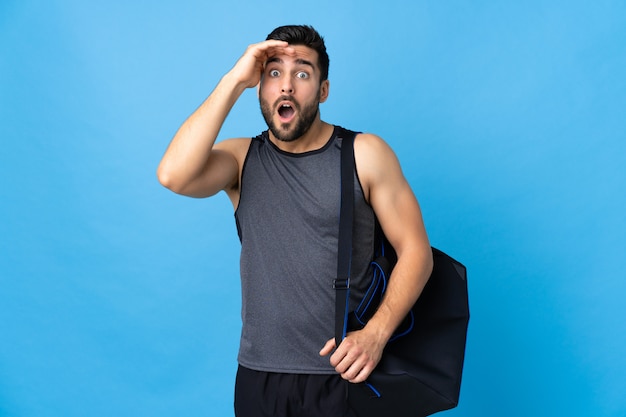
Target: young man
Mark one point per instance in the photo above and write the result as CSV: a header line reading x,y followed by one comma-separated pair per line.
x,y
284,186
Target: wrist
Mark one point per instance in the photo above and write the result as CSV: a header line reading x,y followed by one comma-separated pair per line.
x,y
231,82
379,328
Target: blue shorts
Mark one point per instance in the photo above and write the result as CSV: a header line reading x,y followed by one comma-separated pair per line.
x,y
268,394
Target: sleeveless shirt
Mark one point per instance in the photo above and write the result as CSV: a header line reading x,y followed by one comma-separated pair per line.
x,y
288,225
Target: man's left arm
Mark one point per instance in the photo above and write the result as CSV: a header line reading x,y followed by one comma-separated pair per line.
x,y
400,217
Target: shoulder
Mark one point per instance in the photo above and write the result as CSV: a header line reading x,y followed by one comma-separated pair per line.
x,y
376,163
372,153
372,147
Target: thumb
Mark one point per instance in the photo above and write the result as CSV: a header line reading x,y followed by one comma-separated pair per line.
x,y
328,347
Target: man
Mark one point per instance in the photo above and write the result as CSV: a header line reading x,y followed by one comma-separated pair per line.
x,y
284,186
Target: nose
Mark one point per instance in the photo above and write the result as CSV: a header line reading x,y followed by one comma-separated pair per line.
x,y
287,86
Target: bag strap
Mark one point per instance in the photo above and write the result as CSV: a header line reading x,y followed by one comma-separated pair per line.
x,y
344,253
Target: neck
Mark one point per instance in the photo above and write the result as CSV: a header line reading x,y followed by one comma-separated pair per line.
x,y
314,138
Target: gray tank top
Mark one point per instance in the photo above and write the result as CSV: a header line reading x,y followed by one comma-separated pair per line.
x,y
288,221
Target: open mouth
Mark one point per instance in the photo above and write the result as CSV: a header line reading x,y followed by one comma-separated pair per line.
x,y
286,111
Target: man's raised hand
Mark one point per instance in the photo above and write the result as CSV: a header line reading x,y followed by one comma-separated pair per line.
x,y
249,67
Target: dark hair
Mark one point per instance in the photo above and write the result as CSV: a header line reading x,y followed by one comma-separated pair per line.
x,y
307,36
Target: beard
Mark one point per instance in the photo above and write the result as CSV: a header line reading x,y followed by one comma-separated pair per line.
x,y
288,132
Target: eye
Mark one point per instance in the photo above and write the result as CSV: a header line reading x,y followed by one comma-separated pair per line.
x,y
274,73
302,75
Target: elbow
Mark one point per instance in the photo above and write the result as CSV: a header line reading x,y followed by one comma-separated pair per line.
x,y
168,180
164,177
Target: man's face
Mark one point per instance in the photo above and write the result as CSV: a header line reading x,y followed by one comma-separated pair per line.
x,y
290,93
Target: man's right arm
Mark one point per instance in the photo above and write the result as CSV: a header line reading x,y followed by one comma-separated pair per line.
x,y
193,165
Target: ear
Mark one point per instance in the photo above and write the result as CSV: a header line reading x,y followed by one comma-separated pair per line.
x,y
324,90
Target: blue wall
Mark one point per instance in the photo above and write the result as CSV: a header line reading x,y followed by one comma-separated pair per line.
x,y
120,298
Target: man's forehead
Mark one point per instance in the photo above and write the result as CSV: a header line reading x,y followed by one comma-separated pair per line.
x,y
303,55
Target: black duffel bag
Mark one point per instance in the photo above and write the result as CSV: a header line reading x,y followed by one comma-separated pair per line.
x,y
421,367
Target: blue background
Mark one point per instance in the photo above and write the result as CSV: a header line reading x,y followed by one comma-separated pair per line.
x,y
119,298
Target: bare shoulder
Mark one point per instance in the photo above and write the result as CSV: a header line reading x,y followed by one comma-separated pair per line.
x,y
375,160
389,193
372,149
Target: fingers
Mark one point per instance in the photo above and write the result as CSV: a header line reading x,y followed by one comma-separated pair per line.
x,y
249,67
354,370
355,358
352,362
328,347
272,45
361,376
262,51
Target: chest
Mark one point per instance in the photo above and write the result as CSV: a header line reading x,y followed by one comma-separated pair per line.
x,y
291,189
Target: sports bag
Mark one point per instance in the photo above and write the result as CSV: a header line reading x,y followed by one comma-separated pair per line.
x,y
420,370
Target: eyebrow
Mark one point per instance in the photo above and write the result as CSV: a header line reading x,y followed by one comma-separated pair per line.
x,y
299,61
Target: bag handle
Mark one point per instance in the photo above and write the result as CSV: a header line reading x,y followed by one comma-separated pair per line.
x,y
344,253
